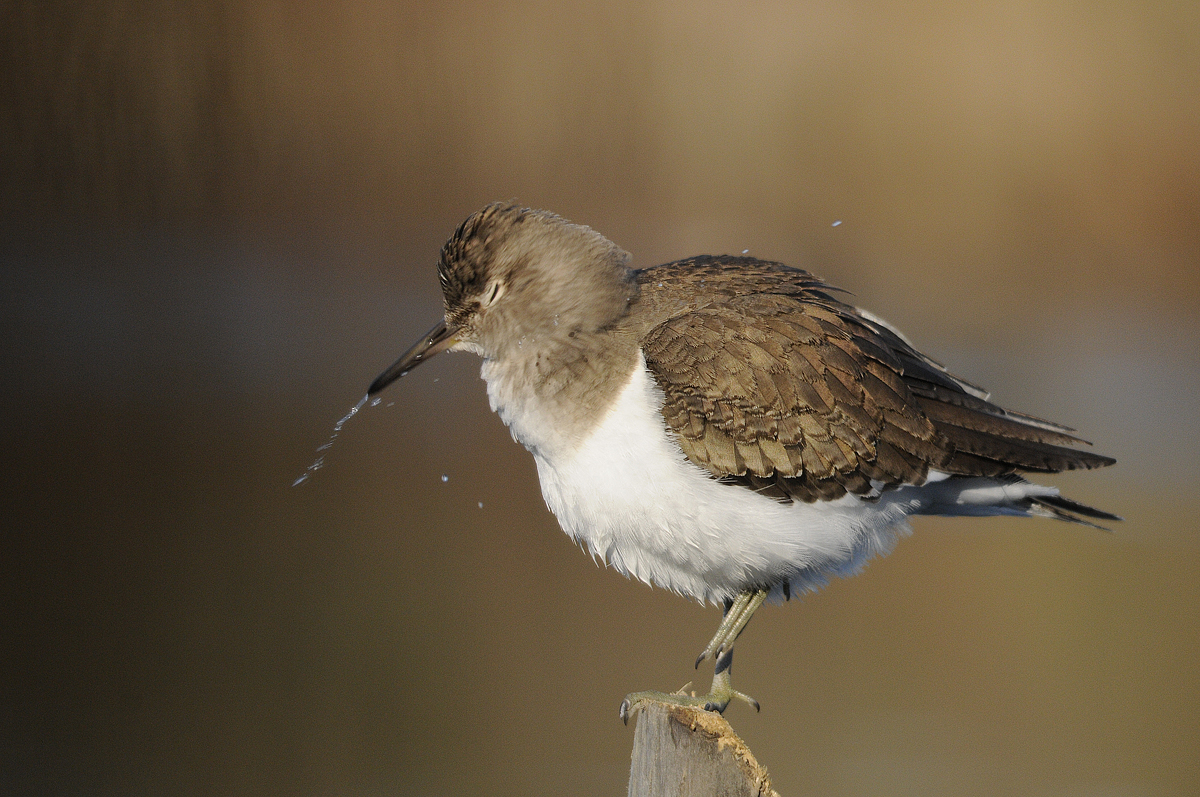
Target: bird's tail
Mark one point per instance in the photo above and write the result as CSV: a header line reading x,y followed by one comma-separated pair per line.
x,y
1010,494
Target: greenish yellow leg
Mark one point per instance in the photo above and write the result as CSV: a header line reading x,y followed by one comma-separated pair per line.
x,y
722,692
737,614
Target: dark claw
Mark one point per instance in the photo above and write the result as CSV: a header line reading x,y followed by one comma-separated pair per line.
x,y
624,712
703,655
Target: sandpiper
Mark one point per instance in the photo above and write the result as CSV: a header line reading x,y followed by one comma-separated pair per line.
x,y
723,427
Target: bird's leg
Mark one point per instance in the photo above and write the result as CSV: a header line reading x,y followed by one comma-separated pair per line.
x,y
737,614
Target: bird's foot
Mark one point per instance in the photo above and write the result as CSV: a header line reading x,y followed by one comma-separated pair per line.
x,y
718,698
713,701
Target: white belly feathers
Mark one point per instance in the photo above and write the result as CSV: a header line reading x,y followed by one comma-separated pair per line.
x,y
631,497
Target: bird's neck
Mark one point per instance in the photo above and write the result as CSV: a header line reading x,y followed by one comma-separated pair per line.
x,y
553,391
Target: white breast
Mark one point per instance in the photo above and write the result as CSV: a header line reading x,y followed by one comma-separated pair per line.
x,y
631,497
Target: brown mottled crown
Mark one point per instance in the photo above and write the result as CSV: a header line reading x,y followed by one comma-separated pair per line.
x,y
555,276
463,267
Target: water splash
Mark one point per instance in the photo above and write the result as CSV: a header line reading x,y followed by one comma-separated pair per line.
x,y
337,428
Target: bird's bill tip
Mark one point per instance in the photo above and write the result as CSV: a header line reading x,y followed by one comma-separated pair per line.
x,y
435,341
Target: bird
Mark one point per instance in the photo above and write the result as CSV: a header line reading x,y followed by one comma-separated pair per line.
x,y
724,427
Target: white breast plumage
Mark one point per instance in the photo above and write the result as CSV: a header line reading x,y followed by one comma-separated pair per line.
x,y
631,497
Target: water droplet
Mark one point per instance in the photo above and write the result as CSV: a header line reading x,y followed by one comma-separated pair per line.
x,y
835,224
745,251
375,401
481,504
337,428
445,477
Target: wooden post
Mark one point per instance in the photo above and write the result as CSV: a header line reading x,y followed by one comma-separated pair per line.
x,y
687,752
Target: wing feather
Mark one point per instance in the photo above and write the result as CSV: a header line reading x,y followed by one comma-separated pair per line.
x,y
772,383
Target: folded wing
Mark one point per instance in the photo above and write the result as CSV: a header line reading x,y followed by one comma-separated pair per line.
x,y
783,389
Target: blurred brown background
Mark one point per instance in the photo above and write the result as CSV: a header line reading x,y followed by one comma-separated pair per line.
x,y
219,221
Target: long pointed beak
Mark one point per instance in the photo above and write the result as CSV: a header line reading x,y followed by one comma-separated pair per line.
x,y
438,339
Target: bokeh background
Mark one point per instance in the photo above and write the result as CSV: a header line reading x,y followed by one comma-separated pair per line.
x,y
219,221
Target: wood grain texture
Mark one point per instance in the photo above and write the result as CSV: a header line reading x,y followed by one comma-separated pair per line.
x,y
686,752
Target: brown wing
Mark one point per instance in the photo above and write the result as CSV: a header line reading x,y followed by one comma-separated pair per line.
x,y
801,396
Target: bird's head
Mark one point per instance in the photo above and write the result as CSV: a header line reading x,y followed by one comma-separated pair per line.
x,y
514,276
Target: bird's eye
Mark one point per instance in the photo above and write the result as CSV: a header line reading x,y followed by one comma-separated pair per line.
x,y
492,294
